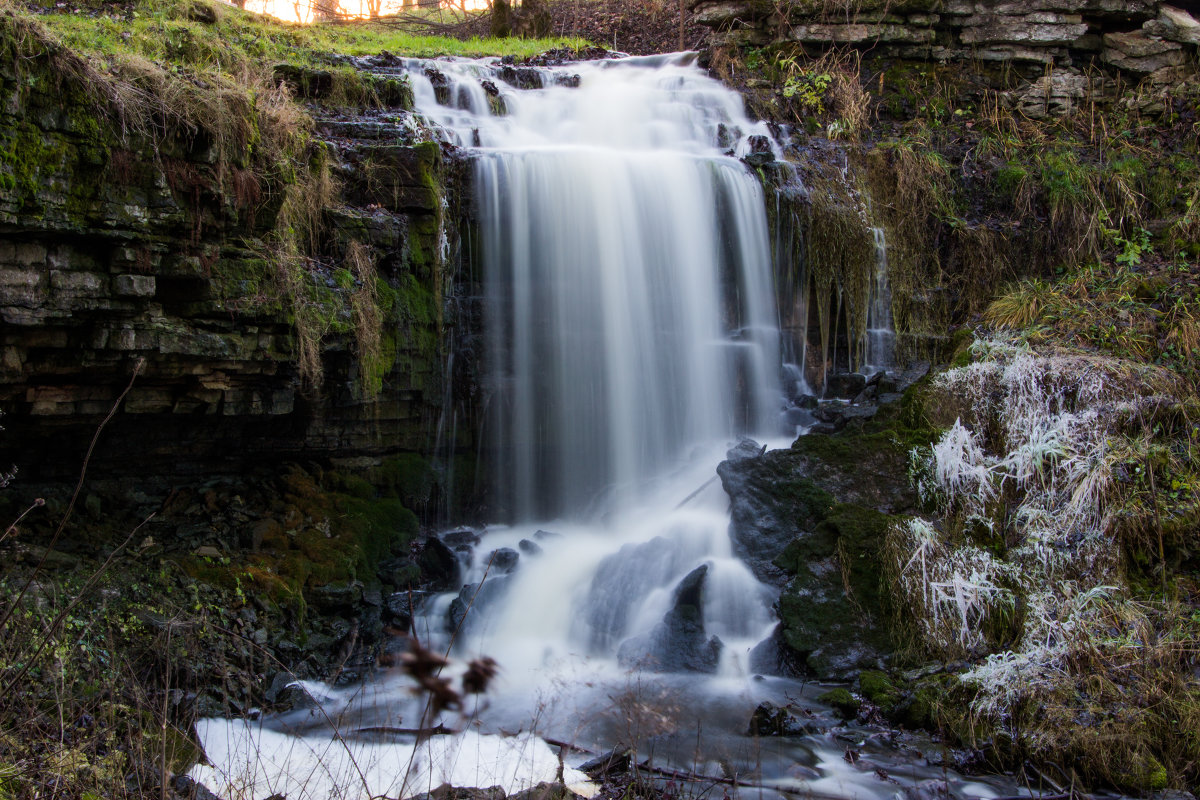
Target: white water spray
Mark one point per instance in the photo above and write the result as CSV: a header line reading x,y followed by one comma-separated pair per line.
x,y
631,337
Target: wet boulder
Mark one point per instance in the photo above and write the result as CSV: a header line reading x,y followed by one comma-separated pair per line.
x,y
439,565
811,520
772,720
621,580
474,599
399,608
503,560
460,538
845,384
678,643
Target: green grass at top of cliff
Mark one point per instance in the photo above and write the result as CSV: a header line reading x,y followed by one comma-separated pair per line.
x,y
208,35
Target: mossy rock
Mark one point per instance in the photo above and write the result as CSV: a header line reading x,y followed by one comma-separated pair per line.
x,y
407,476
877,687
842,701
832,612
1143,773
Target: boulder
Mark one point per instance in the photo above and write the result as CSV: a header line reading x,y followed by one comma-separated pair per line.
x,y
771,720
503,560
678,643
1174,24
787,523
473,599
1138,52
439,565
461,537
287,694
400,607
772,656
623,579
844,384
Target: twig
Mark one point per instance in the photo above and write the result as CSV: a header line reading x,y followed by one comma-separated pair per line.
x,y
437,730
38,503
680,775
62,615
688,499
75,496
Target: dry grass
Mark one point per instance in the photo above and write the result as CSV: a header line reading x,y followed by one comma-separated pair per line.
x,y
1021,306
1060,498
367,318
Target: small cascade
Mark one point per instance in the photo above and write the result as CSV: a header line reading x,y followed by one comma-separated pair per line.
x,y
879,352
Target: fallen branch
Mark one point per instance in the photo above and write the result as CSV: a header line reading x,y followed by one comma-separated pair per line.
x,y
438,730
694,777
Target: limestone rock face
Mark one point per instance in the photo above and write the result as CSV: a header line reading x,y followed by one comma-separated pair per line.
x,y
1054,95
1054,44
116,250
1139,52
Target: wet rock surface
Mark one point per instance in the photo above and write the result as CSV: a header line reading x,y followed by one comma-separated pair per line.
x,y
811,520
678,643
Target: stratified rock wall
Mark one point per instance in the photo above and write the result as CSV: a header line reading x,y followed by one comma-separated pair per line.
x,y
1053,43
118,248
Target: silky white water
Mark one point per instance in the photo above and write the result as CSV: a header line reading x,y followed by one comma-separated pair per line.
x,y
631,339
880,351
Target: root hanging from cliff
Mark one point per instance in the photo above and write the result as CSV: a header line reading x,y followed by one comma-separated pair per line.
x,y
366,317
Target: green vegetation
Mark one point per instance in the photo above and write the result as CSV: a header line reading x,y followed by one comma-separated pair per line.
x,y
1137,306
203,95
1057,460
201,34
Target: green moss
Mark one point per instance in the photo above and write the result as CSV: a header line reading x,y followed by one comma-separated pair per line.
x,y
1063,178
376,529
842,701
407,476
352,485
877,687
39,166
1146,774
1011,179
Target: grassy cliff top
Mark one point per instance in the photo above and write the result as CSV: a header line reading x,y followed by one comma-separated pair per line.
x,y
213,35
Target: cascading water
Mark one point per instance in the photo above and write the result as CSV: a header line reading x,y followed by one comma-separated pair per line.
x,y
631,338
880,350
627,272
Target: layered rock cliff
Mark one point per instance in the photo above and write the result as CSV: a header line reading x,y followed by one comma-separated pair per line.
x,y
1062,53
278,310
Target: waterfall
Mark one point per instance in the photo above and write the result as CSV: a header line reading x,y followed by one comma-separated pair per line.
x,y
631,337
627,266
880,350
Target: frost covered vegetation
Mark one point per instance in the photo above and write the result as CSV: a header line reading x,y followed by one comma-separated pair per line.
x,y
1060,504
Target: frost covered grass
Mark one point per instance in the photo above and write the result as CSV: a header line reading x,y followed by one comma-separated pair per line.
x,y
1050,557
